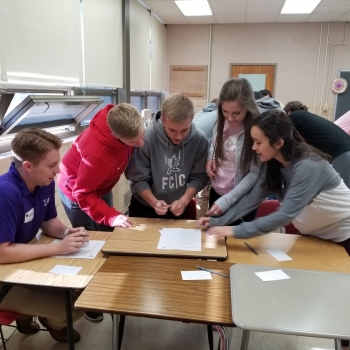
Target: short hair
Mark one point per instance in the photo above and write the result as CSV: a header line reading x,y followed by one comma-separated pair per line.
x,y
294,106
177,108
125,121
266,92
258,95
33,144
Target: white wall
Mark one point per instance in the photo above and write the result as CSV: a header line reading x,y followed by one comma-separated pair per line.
x,y
294,47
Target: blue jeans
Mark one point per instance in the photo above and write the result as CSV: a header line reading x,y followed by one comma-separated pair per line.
x,y
79,218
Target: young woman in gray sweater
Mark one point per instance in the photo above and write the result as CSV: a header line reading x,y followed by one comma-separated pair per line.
x,y
314,197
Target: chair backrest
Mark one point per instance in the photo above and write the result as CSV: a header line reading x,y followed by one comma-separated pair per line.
x,y
191,210
7,317
269,206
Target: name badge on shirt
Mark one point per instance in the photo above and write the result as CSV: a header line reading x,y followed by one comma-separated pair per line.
x,y
29,215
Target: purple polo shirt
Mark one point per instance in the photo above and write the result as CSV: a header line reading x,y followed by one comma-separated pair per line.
x,y
21,212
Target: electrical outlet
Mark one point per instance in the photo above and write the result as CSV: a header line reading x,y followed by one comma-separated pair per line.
x,y
325,107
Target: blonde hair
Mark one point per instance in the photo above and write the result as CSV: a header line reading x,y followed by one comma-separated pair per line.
x,y
125,121
33,144
177,108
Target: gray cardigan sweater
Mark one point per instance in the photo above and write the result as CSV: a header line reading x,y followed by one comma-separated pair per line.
x,y
303,181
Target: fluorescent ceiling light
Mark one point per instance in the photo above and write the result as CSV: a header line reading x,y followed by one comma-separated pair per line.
x,y
299,6
194,7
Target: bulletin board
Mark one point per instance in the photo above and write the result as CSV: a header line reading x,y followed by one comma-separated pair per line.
x,y
342,103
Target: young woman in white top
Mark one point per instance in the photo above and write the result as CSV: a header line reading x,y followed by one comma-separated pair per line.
x,y
232,166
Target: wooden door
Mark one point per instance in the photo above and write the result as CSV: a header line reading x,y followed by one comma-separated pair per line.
x,y
260,76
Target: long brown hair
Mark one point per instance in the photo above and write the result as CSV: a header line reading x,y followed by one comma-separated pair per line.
x,y
276,125
236,89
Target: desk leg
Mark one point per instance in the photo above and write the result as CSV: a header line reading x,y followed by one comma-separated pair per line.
x,y
224,339
337,344
115,331
69,320
245,339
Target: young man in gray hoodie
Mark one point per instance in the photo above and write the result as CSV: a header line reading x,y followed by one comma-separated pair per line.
x,y
265,102
168,171
206,118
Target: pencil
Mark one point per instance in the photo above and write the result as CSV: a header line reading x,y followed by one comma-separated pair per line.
x,y
251,248
211,271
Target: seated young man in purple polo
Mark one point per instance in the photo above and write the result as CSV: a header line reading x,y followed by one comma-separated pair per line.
x,y
27,204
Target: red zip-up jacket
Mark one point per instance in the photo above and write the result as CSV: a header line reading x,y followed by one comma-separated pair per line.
x,y
92,167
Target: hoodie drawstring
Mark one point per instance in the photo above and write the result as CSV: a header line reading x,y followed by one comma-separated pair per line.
x,y
183,153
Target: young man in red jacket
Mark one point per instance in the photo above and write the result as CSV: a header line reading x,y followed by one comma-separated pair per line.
x,y
92,167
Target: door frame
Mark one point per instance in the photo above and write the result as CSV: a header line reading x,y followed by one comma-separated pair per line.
x,y
256,64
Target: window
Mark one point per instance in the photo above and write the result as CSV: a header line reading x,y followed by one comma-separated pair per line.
x,y
44,111
145,99
106,100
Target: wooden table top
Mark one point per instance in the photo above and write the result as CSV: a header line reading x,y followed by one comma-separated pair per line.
x,y
308,253
153,287
36,272
143,237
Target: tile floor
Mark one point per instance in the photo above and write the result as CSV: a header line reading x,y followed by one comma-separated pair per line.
x,y
152,334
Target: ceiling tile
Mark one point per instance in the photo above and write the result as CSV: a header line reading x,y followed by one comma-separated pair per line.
x,y
230,18
292,18
333,3
173,19
260,18
332,9
163,8
345,17
332,6
274,6
224,7
200,19
322,17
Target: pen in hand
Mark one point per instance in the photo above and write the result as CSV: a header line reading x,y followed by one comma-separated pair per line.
x,y
251,248
211,271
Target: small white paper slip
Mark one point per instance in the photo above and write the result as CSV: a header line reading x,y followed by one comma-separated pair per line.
x,y
66,270
273,275
279,255
196,275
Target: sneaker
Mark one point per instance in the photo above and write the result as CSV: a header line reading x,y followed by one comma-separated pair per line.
x,y
27,325
60,335
94,316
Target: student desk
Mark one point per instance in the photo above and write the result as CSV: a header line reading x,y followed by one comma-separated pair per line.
x,y
307,252
153,287
35,273
142,239
310,303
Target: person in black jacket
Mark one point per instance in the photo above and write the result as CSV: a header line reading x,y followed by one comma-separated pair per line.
x,y
323,135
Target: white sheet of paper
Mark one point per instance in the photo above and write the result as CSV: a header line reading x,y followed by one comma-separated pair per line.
x,y
88,251
279,255
273,275
66,270
180,239
195,275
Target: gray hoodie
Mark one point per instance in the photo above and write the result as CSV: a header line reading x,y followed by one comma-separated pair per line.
x,y
167,169
205,120
266,103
